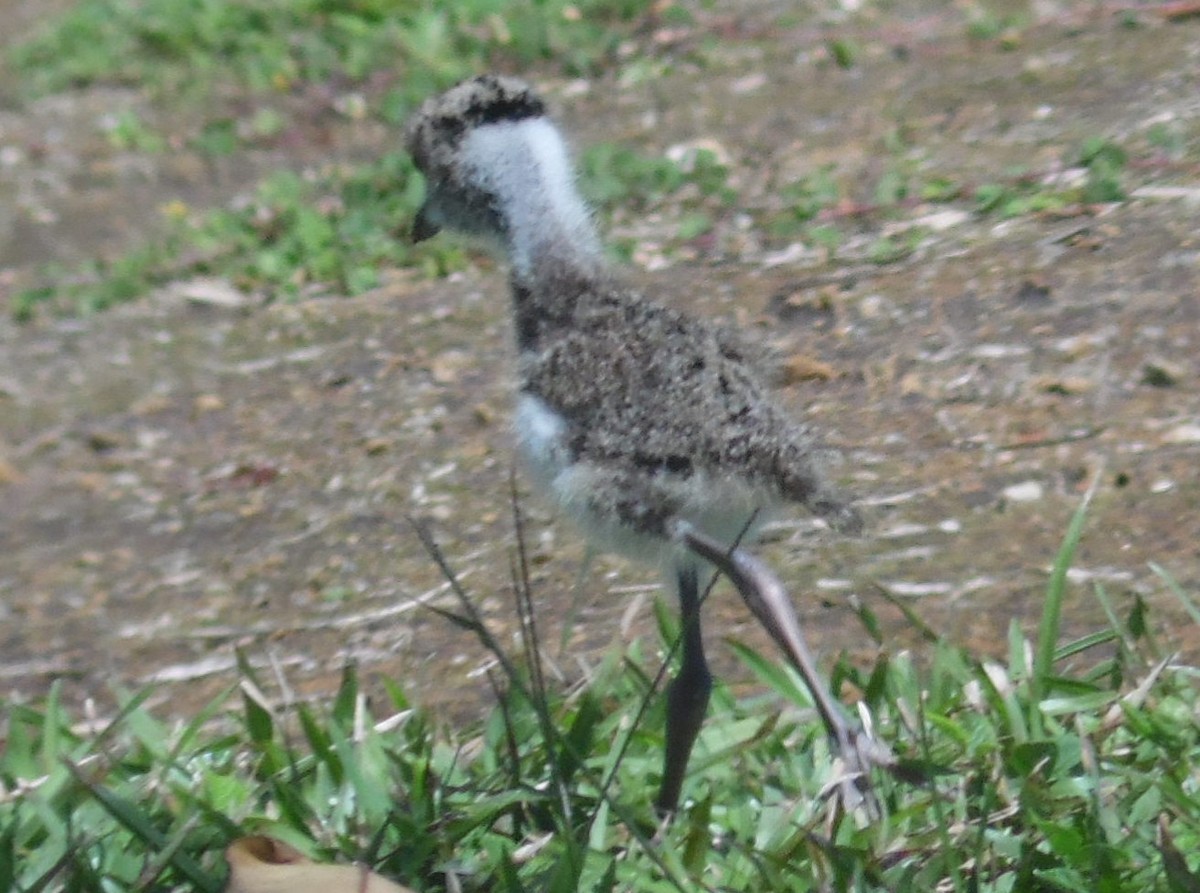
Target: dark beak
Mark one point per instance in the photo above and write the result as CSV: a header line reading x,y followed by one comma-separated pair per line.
x,y
423,228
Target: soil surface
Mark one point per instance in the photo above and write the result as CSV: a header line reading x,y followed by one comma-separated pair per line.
x,y
182,478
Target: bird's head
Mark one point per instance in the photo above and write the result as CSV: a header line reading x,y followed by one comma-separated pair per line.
x,y
459,193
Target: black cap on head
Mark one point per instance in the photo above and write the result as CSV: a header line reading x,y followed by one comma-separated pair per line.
x,y
487,99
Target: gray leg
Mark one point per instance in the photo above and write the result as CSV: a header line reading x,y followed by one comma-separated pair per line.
x,y
768,601
687,697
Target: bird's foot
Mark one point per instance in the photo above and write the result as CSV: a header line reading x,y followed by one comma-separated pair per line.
x,y
858,753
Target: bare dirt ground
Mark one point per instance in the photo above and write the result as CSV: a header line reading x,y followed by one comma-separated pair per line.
x,y
180,479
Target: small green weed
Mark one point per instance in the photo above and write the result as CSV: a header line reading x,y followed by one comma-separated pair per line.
x,y
1169,138
892,188
889,249
98,284
616,177
983,24
940,189
826,236
803,200
1105,161
612,176
1018,197
127,131
843,52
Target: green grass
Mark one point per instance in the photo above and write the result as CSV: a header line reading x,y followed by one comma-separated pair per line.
x,y
331,231
341,229
265,45
335,231
1068,767
338,229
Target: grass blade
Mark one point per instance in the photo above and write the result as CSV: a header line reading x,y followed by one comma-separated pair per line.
x,y
1056,590
1189,603
142,827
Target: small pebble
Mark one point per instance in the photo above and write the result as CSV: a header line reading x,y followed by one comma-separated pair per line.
x,y
1026,491
1188,433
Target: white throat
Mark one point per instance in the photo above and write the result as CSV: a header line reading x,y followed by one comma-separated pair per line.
x,y
526,165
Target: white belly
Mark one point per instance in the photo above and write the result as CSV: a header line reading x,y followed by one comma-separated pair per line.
x,y
541,438
721,508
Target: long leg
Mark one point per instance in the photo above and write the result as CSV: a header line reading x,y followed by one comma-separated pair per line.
x,y
687,697
768,601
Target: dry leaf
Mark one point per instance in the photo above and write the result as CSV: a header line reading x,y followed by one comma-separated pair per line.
x,y
215,292
1185,433
376,445
9,473
799,367
261,864
1066,385
484,413
150,404
912,385
448,366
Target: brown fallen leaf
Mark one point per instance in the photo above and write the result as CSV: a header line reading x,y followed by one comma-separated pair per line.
x,y
448,366
913,385
1174,12
150,404
374,446
261,864
1064,385
208,403
9,473
246,476
799,367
